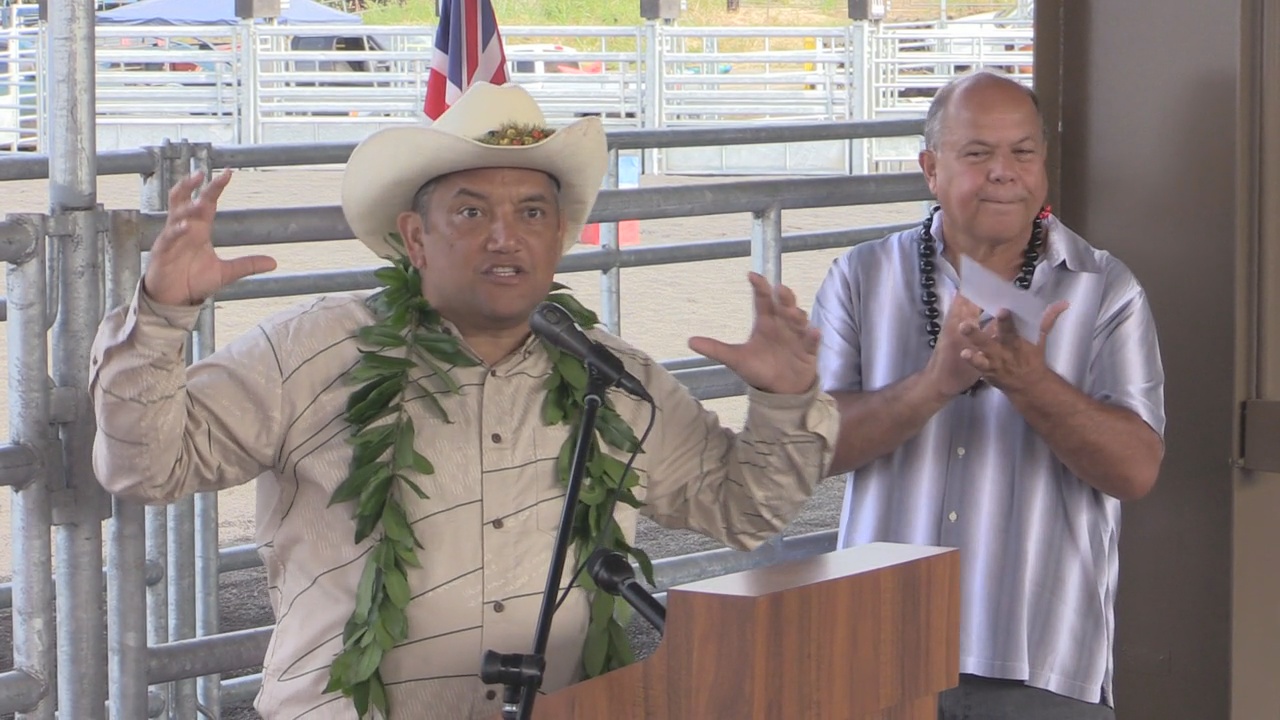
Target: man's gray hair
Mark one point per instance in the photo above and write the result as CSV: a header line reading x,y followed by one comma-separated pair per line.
x,y
422,197
934,119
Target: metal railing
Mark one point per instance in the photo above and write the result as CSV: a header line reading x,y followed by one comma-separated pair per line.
x,y
164,562
21,96
254,84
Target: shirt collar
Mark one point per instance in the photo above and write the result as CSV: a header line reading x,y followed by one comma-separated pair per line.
x,y
1068,248
1064,246
528,348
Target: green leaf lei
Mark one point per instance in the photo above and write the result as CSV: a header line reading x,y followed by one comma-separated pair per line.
x,y
406,336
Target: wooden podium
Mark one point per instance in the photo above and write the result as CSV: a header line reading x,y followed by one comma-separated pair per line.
x,y
867,633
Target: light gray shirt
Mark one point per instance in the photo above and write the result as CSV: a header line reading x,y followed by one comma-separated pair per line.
x,y
1038,546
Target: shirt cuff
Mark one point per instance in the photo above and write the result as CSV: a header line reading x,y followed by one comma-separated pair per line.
x,y
812,411
156,328
151,313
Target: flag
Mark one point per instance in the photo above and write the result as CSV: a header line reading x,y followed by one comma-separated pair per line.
x,y
468,49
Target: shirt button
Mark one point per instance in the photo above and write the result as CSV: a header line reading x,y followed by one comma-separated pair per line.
x,y
960,452
490,694
493,373
497,524
952,516
499,607
496,438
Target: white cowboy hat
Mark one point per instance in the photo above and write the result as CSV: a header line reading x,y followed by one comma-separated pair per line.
x,y
387,169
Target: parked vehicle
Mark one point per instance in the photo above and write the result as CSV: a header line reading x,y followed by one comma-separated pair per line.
x,y
529,65
333,43
543,58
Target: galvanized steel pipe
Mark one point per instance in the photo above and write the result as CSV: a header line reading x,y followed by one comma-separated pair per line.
x,y
20,691
206,541
127,570
208,656
31,516
80,504
313,224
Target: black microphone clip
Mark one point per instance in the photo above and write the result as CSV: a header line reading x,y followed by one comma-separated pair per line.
x,y
613,574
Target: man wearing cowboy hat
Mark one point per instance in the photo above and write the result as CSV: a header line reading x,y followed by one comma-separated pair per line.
x,y
485,201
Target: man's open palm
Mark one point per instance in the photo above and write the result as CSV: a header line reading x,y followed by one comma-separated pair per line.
x,y
781,355
184,269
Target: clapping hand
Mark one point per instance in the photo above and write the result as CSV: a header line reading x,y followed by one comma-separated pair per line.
x,y
1003,357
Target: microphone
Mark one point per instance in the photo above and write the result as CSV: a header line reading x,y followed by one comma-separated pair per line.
x,y
613,574
553,324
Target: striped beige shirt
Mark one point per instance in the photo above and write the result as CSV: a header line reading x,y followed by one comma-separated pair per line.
x,y
270,406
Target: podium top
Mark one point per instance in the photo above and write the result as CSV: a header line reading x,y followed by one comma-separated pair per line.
x,y
867,633
810,571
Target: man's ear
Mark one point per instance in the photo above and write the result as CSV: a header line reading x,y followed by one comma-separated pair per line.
x,y
409,223
929,165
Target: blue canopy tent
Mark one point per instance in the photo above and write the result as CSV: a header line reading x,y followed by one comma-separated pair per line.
x,y
217,12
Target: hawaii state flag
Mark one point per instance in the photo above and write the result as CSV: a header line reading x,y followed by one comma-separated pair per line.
x,y
468,49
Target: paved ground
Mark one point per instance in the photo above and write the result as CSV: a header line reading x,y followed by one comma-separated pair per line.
x,y
661,307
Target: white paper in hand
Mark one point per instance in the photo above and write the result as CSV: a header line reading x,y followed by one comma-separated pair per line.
x,y
993,293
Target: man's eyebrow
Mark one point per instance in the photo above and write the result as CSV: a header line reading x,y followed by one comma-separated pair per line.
x,y
469,193
985,144
534,197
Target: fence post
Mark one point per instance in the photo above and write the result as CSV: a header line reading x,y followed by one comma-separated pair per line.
x,y
247,132
126,561
610,280
79,504
205,518
206,543
31,519
858,82
42,95
181,515
653,74
766,243
166,619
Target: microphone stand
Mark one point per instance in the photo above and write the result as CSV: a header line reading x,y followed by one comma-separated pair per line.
x,y
521,674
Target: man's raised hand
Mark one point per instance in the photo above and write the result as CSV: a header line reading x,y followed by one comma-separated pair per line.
x,y
183,268
781,355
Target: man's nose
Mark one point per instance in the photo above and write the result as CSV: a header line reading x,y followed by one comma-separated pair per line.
x,y
1001,169
503,234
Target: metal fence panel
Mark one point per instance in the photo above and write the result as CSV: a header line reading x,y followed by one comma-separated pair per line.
x,y
252,84
164,563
